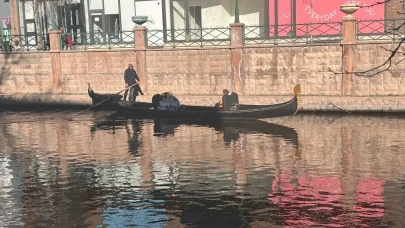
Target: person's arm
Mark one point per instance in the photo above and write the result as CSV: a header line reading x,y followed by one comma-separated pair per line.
x,y
136,76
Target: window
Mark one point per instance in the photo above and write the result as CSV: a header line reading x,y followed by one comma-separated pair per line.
x,y
112,25
195,17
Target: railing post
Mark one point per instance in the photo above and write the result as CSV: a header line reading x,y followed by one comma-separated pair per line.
x,y
85,41
236,55
54,40
349,47
109,41
140,47
140,37
307,34
236,35
201,37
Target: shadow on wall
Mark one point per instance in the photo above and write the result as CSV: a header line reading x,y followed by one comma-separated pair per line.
x,y
11,84
7,60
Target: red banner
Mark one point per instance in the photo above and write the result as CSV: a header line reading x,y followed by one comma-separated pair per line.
x,y
318,12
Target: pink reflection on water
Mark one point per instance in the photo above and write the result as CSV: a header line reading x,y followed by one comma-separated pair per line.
x,y
307,191
304,197
370,201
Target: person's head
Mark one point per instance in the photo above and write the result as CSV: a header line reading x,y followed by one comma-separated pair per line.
x,y
130,66
225,91
170,93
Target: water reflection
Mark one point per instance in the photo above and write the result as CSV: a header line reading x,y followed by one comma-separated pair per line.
x,y
97,172
161,128
231,130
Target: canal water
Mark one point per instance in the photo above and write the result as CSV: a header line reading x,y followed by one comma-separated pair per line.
x,y
104,171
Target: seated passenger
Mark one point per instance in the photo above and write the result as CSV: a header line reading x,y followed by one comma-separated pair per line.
x,y
229,99
168,102
155,101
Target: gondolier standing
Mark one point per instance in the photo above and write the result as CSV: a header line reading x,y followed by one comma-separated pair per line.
x,y
131,78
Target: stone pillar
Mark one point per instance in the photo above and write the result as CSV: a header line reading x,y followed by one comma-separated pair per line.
x,y
140,46
15,22
54,39
15,25
348,47
236,55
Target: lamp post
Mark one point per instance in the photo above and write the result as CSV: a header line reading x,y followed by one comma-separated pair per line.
x,y
53,15
236,11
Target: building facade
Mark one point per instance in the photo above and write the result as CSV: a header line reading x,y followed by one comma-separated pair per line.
x,y
102,20
5,22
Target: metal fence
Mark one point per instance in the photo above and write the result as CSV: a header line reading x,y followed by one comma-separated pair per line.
x,y
11,43
80,41
88,41
382,30
293,34
392,30
203,37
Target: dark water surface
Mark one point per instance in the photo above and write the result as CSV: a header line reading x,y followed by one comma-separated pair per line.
x,y
306,171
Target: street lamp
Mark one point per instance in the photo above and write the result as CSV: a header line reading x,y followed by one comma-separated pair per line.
x,y
236,11
53,15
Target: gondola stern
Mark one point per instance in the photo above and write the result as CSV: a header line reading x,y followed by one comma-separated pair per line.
x,y
90,91
297,92
297,89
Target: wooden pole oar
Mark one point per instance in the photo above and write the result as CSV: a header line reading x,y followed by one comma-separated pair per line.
x,y
339,107
103,101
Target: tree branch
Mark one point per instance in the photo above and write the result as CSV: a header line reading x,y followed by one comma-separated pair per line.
x,y
386,65
389,62
376,3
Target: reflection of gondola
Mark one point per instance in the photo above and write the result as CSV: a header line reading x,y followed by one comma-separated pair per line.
x,y
262,127
232,129
110,124
230,134
162,129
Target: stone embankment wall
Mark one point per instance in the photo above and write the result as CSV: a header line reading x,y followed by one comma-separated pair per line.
x,y
260,74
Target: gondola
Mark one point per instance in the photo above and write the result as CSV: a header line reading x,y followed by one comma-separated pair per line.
x,y
145,110
112,101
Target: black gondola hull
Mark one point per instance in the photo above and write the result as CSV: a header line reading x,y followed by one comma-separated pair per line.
x,y
145,110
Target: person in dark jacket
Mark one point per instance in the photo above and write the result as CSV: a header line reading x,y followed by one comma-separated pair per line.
x,y
131,78
229,99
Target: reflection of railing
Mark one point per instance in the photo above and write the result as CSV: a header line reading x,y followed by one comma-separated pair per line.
x,y
292,34
85,41
10,43
188,38
391,29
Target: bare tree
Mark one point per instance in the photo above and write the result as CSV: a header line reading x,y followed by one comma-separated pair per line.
x,y
397,51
